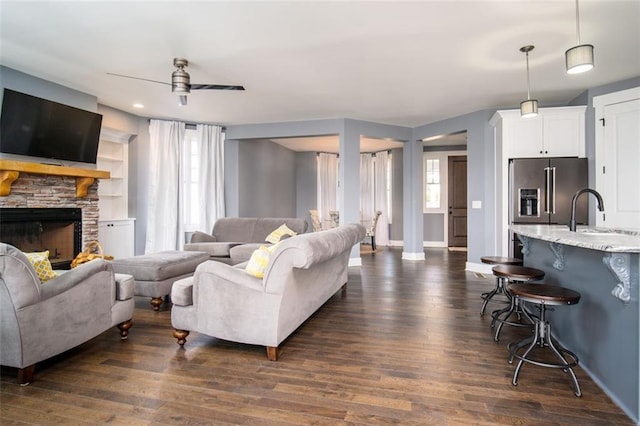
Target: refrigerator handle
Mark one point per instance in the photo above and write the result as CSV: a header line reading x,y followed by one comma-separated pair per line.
x,y
553,188
547,190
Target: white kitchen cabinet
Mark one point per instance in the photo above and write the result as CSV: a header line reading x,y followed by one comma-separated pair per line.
x,y
117,237
554,132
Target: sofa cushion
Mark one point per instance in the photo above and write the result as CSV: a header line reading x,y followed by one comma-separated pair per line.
x,y
215,249
40,262
259,260
275,236
243,252
160,266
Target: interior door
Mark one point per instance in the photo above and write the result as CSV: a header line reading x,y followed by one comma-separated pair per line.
x,y
617,171
457,174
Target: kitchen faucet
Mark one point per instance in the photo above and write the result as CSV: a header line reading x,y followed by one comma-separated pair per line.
x,y
572,222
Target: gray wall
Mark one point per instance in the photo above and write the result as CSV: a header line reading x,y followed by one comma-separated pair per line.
x,y
25,83
139,167
433,225
480,176
397,221
267,184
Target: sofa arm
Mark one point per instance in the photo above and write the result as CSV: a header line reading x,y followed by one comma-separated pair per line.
x,y
201,237
72,278
124,286
229,273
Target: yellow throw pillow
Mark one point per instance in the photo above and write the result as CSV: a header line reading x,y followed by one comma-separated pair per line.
x,y
259,260
276,235
40,261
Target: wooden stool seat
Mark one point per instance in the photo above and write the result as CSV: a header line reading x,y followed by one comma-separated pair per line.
x,y
499,260
545,293
542,339
517,273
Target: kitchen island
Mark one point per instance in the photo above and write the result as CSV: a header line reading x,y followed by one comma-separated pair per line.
x,y
604,328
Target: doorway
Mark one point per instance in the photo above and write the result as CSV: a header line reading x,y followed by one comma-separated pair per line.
x,y
457,196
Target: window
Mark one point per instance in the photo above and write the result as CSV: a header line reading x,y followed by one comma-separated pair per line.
x,y
191,171
432,183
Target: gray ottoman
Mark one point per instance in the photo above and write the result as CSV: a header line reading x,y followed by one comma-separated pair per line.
x,y
155,273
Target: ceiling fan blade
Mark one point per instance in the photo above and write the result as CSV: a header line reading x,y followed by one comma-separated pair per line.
x,y
139,78
215,87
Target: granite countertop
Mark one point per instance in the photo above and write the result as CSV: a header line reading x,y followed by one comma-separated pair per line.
x,y
603,239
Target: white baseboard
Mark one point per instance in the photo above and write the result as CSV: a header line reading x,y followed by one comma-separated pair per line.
x,y
483,268
355,261
412,256
396,243
434,244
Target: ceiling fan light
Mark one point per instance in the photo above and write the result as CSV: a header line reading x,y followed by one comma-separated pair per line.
x,y
529,108
579,59
180,81
182,100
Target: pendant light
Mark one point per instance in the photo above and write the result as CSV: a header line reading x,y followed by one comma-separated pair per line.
x,y
579,58
528,108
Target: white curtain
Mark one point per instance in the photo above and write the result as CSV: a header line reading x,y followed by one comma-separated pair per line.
x,y
382,229
164,222
367,204
327,186
211,178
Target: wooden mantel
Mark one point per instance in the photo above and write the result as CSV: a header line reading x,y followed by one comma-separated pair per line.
x,y
10,170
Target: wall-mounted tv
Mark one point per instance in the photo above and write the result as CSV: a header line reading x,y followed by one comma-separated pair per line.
x,y
41,128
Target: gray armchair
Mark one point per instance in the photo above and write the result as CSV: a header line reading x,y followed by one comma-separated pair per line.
x,y
38,321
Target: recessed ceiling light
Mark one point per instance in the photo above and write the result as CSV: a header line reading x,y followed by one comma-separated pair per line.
x,y
138,105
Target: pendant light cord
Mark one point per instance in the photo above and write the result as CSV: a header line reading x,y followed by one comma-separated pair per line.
x,y
528,82
578,22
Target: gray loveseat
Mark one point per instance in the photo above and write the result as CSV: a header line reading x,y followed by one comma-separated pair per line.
x,y
41,320
224,301
234,239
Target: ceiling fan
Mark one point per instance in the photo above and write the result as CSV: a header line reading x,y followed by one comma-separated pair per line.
x,y
181,81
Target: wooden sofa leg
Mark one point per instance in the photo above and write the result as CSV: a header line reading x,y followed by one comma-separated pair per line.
x,y
181,335
25,375
156,302
272,353
124,328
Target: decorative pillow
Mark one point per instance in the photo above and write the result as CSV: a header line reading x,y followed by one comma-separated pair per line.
x,y
276,235
40,261
259,261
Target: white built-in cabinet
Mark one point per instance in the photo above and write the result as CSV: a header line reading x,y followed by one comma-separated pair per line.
x,y
554,132
115,229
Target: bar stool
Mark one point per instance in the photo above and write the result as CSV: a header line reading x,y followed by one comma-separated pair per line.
x,y
499,288
502,316
543,295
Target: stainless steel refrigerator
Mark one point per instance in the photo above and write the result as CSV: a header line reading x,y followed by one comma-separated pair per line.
x,y
541,189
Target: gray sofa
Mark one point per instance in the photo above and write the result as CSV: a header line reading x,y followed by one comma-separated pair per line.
x,y
41,320
224,301
234,239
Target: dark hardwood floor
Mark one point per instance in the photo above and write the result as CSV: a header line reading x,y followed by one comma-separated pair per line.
x,y
404,345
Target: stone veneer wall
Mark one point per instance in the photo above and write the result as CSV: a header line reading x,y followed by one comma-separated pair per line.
x,y
42,191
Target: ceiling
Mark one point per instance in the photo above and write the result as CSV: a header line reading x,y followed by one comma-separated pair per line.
x,y
400,63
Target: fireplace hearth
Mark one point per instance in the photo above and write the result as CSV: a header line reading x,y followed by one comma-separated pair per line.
x,y
58,230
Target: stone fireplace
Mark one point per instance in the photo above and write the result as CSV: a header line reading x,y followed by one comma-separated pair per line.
x,y
35,191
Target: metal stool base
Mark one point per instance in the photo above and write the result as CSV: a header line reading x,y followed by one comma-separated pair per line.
x,y
488,296
543,339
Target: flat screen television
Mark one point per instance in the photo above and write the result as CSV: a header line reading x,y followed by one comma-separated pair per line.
x,y
41,128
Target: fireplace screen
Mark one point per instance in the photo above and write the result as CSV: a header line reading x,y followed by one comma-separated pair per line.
x,y
58,230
